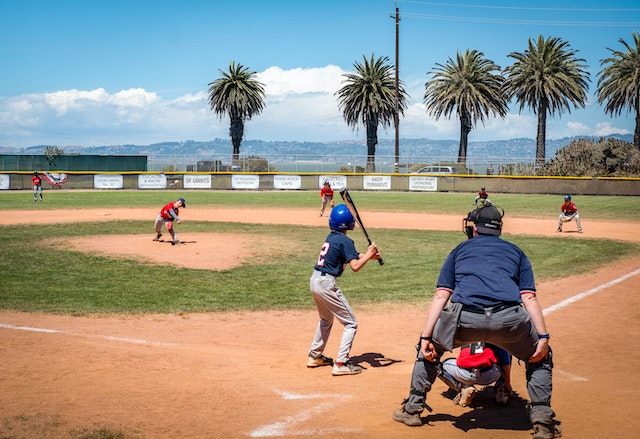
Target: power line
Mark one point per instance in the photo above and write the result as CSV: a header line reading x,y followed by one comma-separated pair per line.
x,y
522,8
518,21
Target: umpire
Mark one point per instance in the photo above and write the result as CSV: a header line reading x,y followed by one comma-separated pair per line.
x,y
493,298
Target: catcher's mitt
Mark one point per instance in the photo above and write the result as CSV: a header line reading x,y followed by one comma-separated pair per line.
x,y
332,203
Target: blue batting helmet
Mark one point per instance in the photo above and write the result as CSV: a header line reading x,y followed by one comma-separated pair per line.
x,y
341,218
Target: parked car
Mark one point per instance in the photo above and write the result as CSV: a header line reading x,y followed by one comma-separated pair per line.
x,y
434,169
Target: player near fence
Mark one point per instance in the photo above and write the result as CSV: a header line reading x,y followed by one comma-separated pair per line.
x,y
167,216
36,181
336,253
493,298
326,195
568,212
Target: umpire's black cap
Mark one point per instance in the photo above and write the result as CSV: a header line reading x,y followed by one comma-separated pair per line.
x,y
488,219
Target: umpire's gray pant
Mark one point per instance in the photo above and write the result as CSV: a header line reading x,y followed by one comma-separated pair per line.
x,y
510,329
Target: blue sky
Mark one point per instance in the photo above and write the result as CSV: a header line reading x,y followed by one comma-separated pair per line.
x,y
109,72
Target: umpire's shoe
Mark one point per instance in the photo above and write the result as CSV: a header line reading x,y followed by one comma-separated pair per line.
x,y
410,419
546,431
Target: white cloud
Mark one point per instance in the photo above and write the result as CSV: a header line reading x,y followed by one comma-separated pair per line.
x,y
297,81
605,129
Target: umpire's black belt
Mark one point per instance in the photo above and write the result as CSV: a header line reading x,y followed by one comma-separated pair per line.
x,y
490,309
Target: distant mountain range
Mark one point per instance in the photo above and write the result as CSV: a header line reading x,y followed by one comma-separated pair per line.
x,y
512,148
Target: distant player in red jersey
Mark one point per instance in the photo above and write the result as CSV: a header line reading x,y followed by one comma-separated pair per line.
x,y
326,194
37,186
568,212
168,214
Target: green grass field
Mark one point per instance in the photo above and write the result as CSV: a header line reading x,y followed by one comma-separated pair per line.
x,y
37,278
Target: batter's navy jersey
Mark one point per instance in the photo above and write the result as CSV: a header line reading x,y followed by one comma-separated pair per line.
x,y
501,273
337,250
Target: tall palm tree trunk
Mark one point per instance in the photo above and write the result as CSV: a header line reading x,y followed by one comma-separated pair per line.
x,y
236,131
541,136
372,141
465,129
636,133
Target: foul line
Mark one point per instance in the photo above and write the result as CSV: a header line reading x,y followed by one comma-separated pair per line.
x,y
105,337
589,293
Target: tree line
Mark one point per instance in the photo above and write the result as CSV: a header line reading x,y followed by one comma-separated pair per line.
x,y
548,78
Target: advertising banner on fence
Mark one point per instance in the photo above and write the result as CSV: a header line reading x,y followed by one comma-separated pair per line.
x,y
287,182
423,184
104,181
152,181
372,182
245,181
197,181
4,181
337,183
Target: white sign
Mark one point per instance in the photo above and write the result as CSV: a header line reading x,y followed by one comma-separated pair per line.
x,y
337,182
423,184
379,182
197,181
152,181
4,181
245,181
287,182
104,181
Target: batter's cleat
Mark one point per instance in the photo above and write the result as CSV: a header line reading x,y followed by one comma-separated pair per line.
x,y
158,236
466,395
410,419
559,229
318,361
580,231
345,369
546,431
175,241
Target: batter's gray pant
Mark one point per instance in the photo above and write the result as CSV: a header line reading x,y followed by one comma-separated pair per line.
x,y
331,303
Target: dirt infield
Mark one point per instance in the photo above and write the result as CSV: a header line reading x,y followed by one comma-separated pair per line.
x,y
242,375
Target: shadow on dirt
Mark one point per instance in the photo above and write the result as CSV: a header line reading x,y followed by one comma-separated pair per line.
x,y
485,414
374,359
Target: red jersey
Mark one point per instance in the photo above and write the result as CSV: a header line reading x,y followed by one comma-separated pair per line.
x,y
568,208
165,212
36,180
326,191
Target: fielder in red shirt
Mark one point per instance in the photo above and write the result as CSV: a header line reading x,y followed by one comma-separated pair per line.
x,y
568,212
168,214
326,194
37,186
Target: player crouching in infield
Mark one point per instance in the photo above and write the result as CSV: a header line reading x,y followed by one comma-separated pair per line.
x,y
168,214
337,251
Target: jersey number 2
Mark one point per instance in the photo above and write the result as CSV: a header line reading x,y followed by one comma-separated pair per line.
x,y
323,253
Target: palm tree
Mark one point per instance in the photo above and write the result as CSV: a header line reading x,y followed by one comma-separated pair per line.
x,y
619,82
547,78
369,97
468,86
238,94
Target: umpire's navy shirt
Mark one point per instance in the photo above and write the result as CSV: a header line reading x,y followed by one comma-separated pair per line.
x,y
486,271
337,250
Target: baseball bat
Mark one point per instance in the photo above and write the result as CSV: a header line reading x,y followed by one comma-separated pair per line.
x,y
346,197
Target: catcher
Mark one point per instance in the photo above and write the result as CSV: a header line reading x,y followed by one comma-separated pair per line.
x,y
326,194
568,212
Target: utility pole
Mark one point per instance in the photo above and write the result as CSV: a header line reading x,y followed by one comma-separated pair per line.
x,y
396,114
